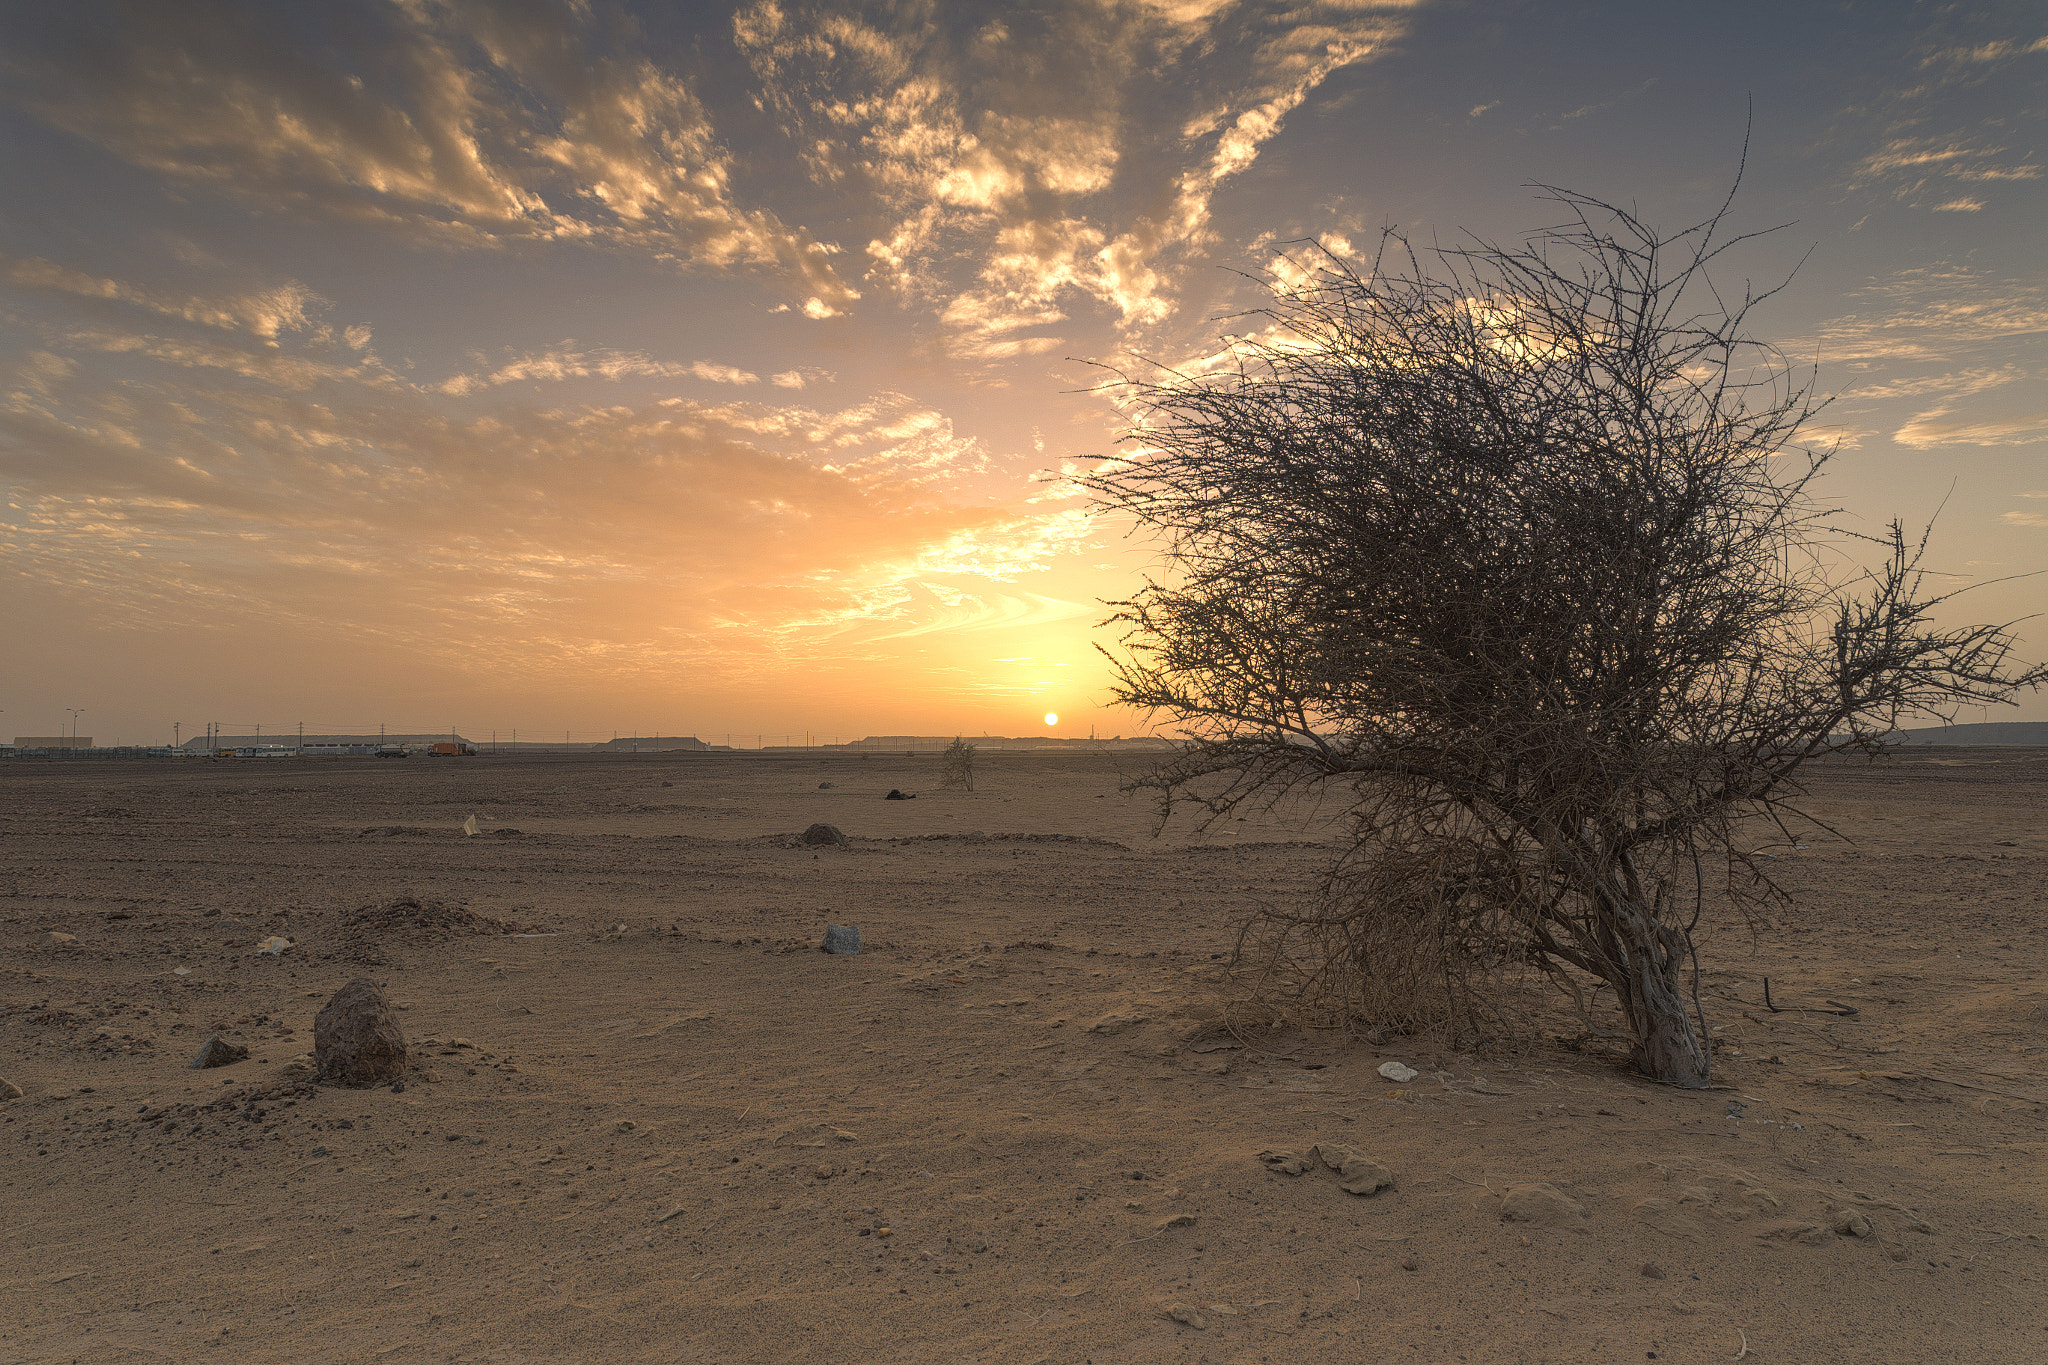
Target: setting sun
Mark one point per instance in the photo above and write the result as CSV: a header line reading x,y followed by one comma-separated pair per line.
x,y
1052,718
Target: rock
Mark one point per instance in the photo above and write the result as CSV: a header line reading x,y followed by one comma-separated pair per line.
x,y
469,828
1178,1220
824,834
1286,1163
9,1090
1652,1271
1361,1174
57,940
273,946
218,1051
1850,1222
895,795
1544,1205
826,786
1397,1073
1109,1025
1187,1317
1806,1234
356,1041
842,938
1409,1263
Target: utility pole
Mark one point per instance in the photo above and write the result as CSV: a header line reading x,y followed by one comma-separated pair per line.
x,y
177,733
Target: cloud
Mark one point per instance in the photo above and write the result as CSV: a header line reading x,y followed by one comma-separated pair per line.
x,y
723,374
1934,313
1049,153
1955,383
564,363
1941,427
462,124
265,312
1979,54
599,541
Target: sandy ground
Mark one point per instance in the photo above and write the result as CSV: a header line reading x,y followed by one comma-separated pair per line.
x,y
1011,1130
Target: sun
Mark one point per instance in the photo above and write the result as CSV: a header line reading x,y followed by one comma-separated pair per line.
x,y
1052,718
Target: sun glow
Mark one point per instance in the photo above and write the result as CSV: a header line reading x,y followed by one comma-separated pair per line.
x,y
1052,718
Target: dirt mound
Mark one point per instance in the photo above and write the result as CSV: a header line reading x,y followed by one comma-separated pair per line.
x,y
365,930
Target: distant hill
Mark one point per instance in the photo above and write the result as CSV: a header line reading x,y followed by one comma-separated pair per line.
x,y
1988,732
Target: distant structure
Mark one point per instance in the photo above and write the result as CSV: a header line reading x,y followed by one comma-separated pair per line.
x,y
53,741
268,745
652,744
933,744
1997,732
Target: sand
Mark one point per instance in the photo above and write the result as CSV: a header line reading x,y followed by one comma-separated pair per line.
x,y
1013,1129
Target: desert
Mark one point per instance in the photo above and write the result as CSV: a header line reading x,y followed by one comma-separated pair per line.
x,y
1032,1120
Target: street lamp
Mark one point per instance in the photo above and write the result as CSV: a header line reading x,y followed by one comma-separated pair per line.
x,y
76,712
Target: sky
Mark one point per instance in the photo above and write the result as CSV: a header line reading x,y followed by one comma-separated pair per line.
x,y
567,365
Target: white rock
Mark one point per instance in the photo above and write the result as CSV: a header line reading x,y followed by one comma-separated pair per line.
x,y
1398,1073
273,946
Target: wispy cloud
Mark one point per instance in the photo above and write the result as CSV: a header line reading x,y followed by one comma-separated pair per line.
x,y
458,124
235,482
265,313
1054,154
1935,313
1945,427
563,363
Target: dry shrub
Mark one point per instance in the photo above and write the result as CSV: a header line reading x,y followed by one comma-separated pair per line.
x,y
1429,937
959,769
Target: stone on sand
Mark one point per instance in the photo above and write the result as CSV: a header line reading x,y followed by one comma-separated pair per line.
x,y
1397,1073
824,834
218,1052
1286,1163
62,940
1360,1174
1544,1205
1187,1317
356,1040
842,938
9,1090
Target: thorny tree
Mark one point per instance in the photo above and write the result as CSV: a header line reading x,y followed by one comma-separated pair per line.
x,y
1514,550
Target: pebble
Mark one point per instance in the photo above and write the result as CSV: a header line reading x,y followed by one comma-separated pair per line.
x,y
1186,1316
820,835
1398,1073
842,939
58,940
356,1041
9,1090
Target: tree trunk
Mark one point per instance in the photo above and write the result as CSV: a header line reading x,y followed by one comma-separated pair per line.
x,y
1668,1046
